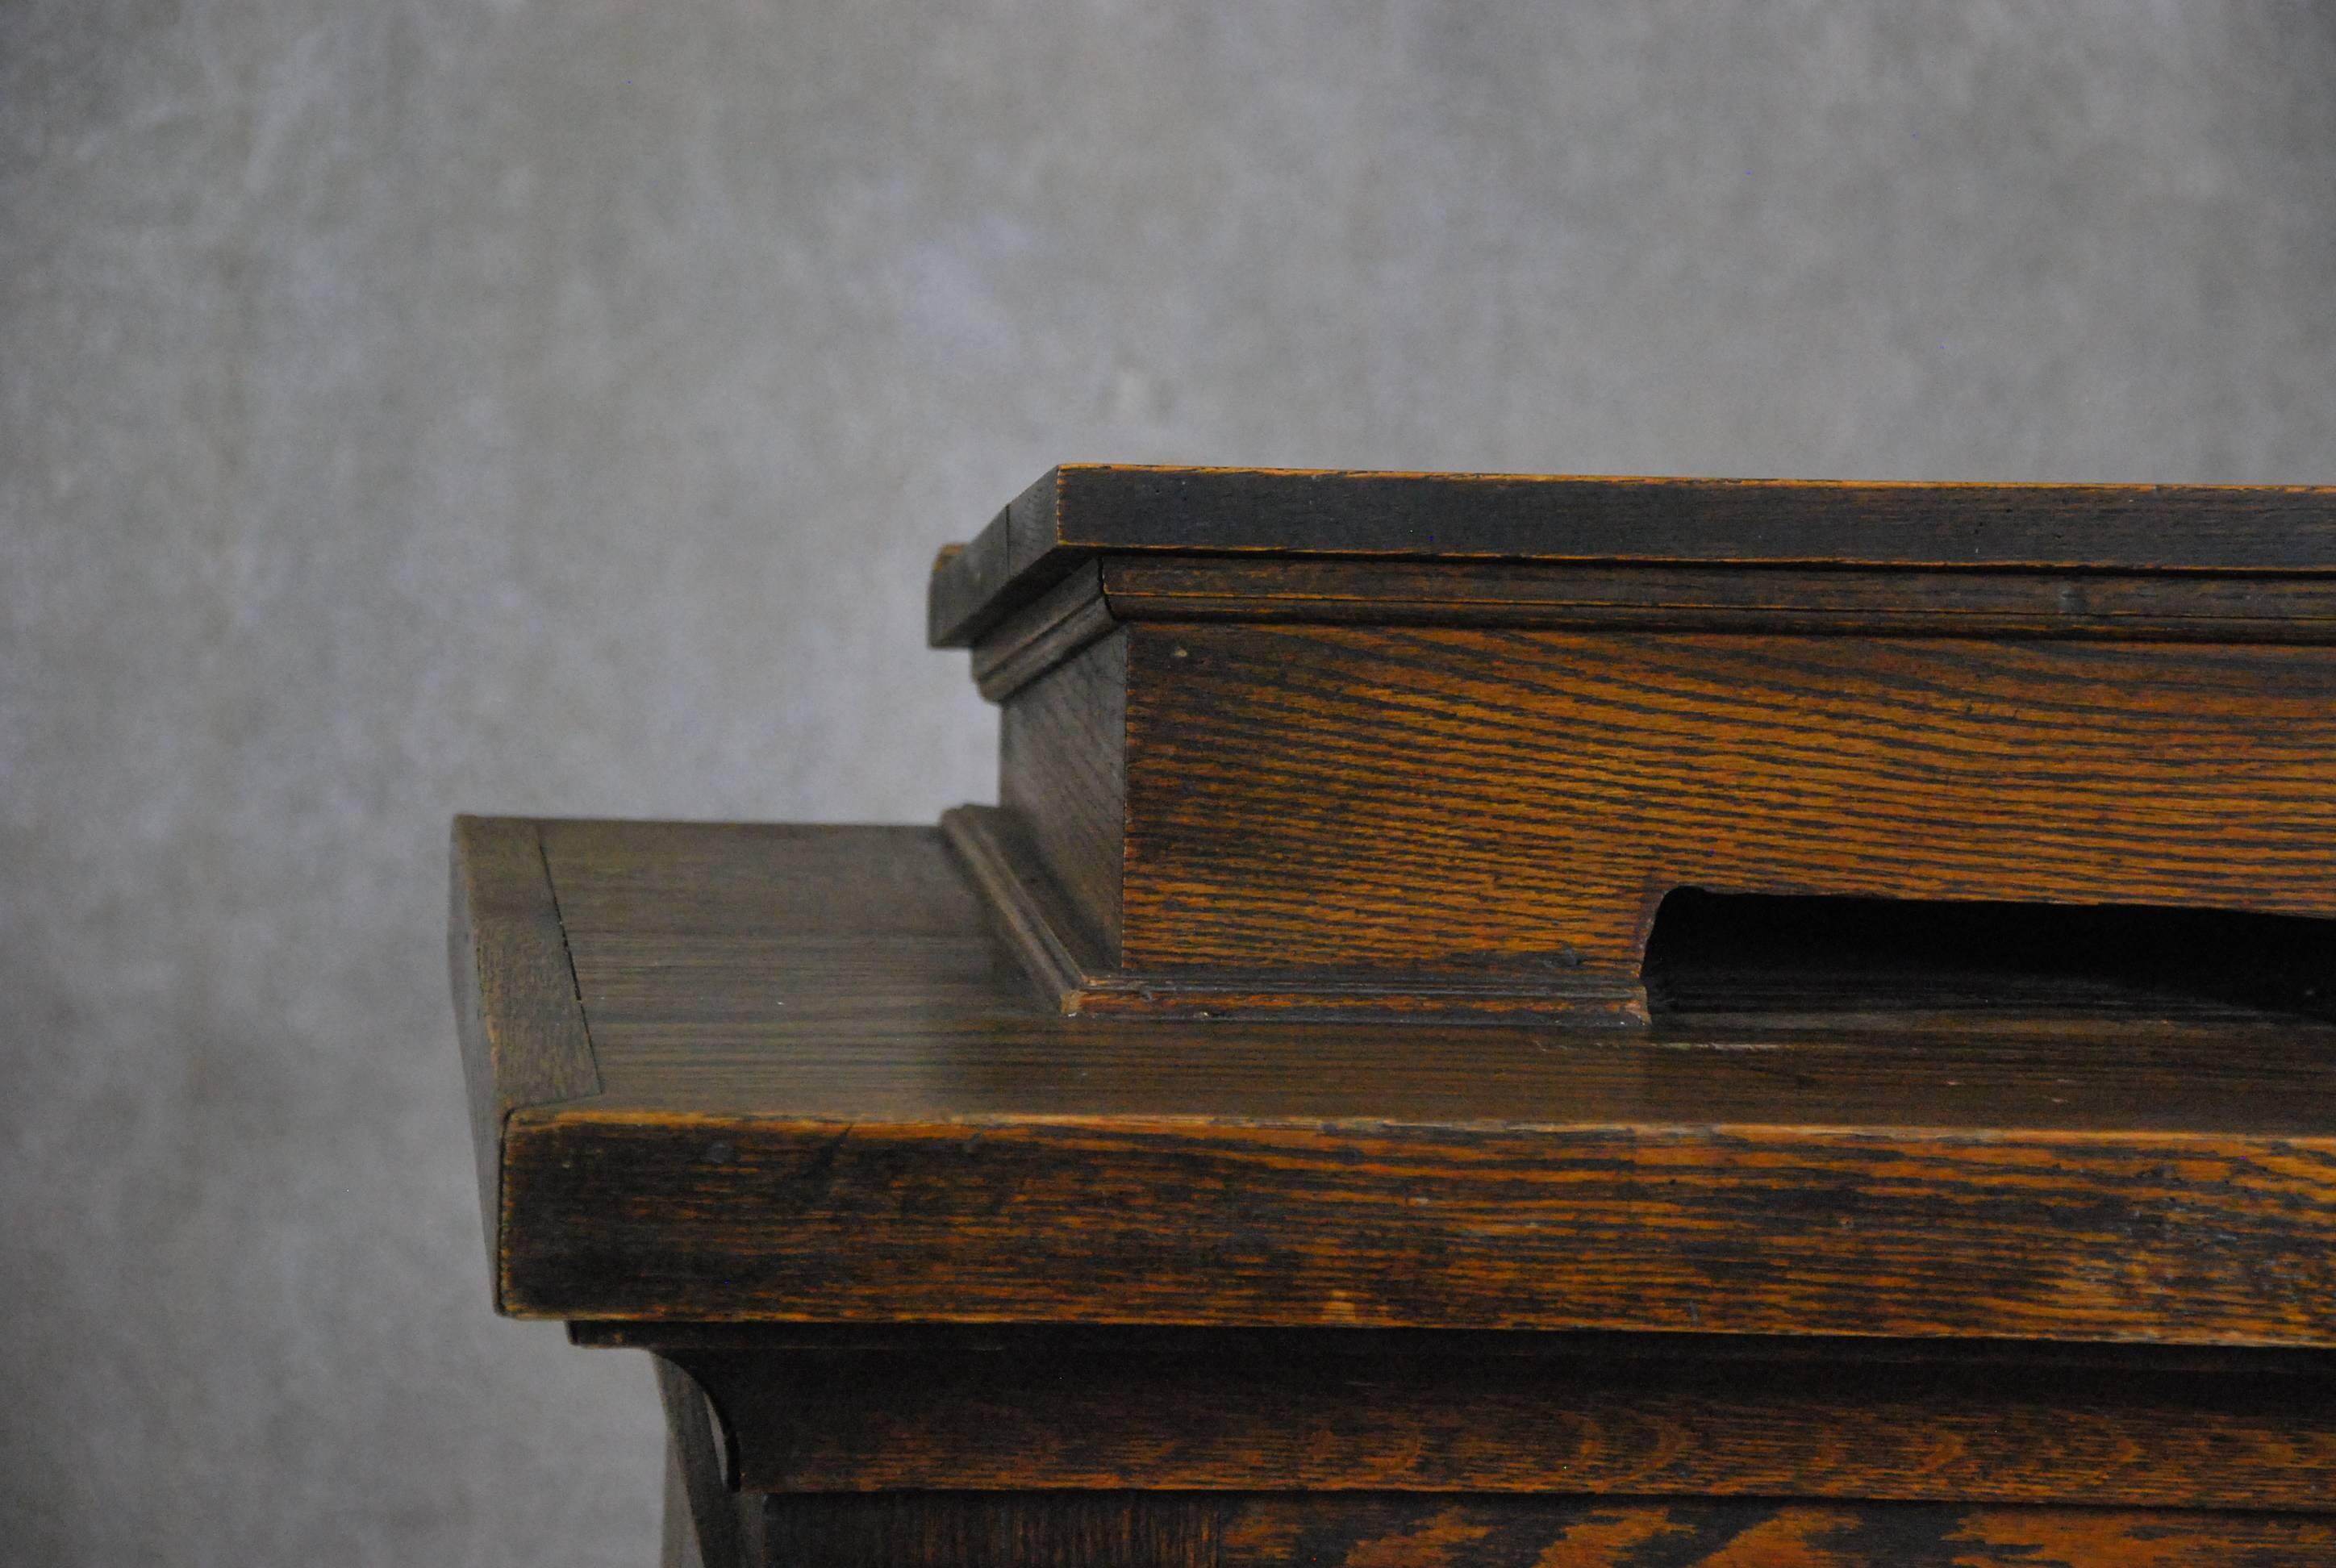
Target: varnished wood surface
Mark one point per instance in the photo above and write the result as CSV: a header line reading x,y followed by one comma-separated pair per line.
x,y
1063,619
1065,951
1063,776
1452,789
2011,606
827,1093
994,1530
1348,799
516,1013
1170,1530
1520,1533
1000,1409
1078,511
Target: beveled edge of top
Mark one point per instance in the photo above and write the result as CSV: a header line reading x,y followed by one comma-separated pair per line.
x,y
1079,511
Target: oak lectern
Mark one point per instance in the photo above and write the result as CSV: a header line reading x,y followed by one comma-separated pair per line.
x,y
1495,1020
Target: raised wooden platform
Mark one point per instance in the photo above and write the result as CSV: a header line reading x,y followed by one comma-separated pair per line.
x,y
1359,745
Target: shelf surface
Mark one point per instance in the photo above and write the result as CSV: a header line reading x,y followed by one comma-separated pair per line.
x,y
783,1074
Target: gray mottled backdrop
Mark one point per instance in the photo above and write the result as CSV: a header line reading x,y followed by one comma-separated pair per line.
x,y
430,405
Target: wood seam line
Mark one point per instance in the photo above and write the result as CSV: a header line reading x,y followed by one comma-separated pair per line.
x,y
568,957
511,1107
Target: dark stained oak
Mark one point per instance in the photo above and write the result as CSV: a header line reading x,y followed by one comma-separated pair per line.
x,y
994,1530
517,1015
2013,605
1497,1019
1318,744
1077,512
1043,634
827,1093
1423,799
1339,1531
834,1410
1063,780
1172,1530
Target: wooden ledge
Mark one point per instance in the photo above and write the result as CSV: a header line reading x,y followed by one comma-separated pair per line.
x,y
1079,511
829,1095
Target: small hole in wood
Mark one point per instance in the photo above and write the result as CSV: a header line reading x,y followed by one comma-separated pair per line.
x,y
1722,952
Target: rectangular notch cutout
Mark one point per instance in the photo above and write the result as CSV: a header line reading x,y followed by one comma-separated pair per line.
x,y
1741,953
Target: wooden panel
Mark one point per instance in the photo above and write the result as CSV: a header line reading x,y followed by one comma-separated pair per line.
x,y
1518,801
1062,775
1079,510
517,1013
1521,1533
978,1409
828,1093
993,1530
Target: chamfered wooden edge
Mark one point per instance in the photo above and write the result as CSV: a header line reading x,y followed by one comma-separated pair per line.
x,y
1092,598
1030,915
1075,511
517,1015
1041,634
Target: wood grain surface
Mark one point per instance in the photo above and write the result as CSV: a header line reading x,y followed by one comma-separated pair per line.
x,y
993,1530
1043,634
1621,1415
1063,777
1078,511
1740,1230
1278,813
1059,938
1522,1533
517,1014
1339,799
827,1094
1170,1530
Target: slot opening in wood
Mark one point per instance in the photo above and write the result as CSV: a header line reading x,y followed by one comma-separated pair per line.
x,y
1736,952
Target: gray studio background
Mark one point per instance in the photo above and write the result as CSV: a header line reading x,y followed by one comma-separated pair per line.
x,y
417,406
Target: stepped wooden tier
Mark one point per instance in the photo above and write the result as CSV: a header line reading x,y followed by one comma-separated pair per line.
x,y
1435,744
1495,1020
